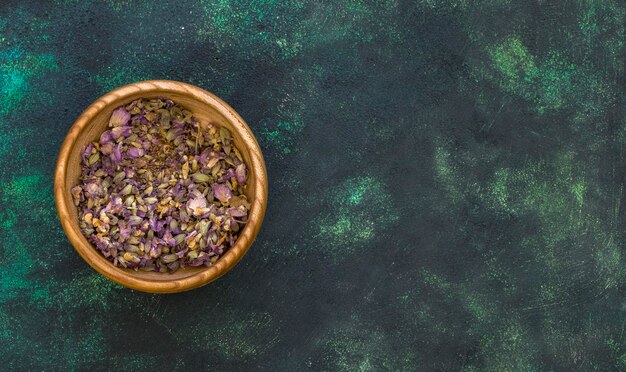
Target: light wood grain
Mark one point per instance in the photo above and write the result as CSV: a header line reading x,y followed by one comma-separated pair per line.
x,y
205,107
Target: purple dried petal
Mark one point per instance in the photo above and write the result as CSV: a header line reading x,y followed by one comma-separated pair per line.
x,y
135,152
168,238
105,137
153,223
86,151
107,148
141,119
92,188
176,191
242,173
123,131
218,250
237,212
115,204
199,261
155,251
125,230
102,243
197,205
116,155
173,266
182,252
119,117
222,192
151,207
191,236
230,173
204,156
77,191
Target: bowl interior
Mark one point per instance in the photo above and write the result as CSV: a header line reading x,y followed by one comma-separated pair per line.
x,y
204,112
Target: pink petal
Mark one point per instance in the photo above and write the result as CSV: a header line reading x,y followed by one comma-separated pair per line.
x,y
119,117
222,192
242,173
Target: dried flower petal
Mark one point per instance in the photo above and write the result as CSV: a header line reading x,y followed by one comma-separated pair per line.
x,y
135,152
222,192
116,155
238,212
197,205
77,192
107,148
212,162
242,173
105,137
123,131
119,117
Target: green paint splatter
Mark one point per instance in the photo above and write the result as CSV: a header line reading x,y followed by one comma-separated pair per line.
x,y
29,200
16,266
362,208
446,173
547,85
578,190
346,227
286,29
596,19
435,280
510,348
17,67
281,136
355,345
554,191
549,82
86,348
30,194
114,76
238,337
88,290
228,23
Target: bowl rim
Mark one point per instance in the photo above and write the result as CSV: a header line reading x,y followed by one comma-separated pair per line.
x,y
123,276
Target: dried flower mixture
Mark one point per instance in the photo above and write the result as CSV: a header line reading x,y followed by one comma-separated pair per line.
x,y
161,190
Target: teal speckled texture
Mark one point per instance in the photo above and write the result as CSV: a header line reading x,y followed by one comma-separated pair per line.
x,y
446,185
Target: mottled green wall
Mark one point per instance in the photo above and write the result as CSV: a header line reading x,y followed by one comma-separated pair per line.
x,y
446,185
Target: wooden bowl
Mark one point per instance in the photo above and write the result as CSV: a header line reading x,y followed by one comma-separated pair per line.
x,y
205,107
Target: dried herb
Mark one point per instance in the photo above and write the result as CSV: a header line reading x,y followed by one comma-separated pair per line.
x,y
160,190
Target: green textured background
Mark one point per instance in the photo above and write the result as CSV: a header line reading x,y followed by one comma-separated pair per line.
x,y
446,184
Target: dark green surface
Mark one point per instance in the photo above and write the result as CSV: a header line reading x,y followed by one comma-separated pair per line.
x,y
446,185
